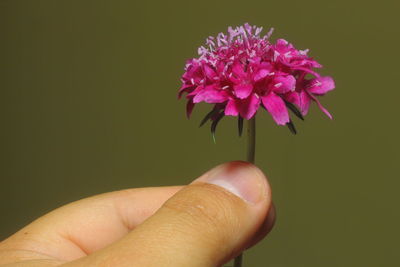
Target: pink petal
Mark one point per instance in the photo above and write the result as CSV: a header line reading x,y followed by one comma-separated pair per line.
x,y
304,102
307,70
281,42
293,97
210,95
234,80
185,87
261,74
193,72
320,106
266,65
220,67
231,108
313,63
276,107
209,72
284,84
322,85
249,106
255,60
196,91
238,69
243,90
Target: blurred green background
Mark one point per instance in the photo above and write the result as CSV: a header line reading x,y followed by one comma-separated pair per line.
x,y
88,105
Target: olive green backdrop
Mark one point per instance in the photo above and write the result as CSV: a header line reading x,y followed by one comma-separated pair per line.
x,y
88,105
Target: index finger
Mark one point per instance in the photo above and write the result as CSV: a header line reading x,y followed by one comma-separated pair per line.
x,y
90,224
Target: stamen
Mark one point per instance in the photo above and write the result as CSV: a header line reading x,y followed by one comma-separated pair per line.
x,y
304,52
288,54
276,55
269,33
258,31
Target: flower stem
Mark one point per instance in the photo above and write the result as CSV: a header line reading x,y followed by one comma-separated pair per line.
x,y
238,261
251,154
251,140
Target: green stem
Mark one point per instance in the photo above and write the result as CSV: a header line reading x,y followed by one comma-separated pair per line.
x,y
251,154
238,261
251,140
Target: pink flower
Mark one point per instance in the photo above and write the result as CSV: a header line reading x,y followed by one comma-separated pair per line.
x,y
242,71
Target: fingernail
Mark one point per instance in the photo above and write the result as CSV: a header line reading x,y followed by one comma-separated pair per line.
x,y
240,178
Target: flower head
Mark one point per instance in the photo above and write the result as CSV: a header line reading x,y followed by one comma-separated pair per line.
x,y
241,71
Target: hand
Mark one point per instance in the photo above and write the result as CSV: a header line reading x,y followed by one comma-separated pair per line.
x,y
204,224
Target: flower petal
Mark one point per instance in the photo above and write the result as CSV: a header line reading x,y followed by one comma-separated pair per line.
x,y
276,107
185,88
307,70
231,108
238,69
283,84
211,95
193,72
209,72
243,90
321,107
249,106
322,85
304,102
281,43
293,97
261,74
196,91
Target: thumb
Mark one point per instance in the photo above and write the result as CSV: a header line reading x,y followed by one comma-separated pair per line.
x,y
205,224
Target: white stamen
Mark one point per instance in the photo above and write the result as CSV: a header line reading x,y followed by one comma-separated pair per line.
x,y
269,33
276,55
304,52
288,54
258,30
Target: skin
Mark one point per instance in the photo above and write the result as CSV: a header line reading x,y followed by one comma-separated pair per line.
x,y
200,224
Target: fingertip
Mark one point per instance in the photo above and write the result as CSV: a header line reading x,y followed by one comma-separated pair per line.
x,y
265,228
204,224
240,178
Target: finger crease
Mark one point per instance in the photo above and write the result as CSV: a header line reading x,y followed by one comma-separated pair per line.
x,y
69,238
124,220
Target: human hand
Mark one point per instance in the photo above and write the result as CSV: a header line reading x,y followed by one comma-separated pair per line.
x,y
204,224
